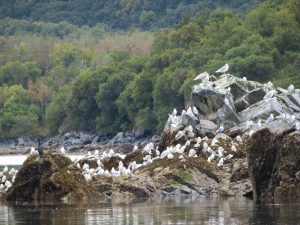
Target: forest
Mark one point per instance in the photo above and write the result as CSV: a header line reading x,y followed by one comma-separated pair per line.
x,y
117,14
66,66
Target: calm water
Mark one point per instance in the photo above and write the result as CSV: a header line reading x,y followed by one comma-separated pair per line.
x,y
206,211
17,160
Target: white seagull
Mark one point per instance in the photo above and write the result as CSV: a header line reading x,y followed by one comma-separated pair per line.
x,y
271,118
297,125
62,150
291,88
238,138
202,76
270,94
192,152
221,129
223,69
180,134
174,113
233,148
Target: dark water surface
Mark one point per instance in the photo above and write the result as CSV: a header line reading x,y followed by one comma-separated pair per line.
x,y
204,211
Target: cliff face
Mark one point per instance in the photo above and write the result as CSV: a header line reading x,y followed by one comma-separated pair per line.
x,y
274,165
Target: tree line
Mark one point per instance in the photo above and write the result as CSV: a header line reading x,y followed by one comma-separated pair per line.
x,y
117,14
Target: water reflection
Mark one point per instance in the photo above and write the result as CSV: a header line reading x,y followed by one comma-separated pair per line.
x,y
204,211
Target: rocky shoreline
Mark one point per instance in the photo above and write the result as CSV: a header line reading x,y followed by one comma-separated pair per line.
x,y
236,138
76,142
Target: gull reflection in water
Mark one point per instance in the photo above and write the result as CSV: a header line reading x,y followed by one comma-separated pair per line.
x,y
172,211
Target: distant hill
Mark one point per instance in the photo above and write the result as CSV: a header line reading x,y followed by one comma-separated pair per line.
x,y
118,14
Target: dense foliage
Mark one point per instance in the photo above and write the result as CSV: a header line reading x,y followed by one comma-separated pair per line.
x,y
118,14
91,79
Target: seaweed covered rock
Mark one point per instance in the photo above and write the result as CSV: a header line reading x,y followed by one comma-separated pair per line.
x,y
274,161
49,177
164,178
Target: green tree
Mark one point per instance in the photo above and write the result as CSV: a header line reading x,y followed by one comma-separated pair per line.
x,y
56,111
19,73
17,116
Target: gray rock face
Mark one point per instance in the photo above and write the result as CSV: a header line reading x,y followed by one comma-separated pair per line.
x,y
232,103
261,113
208,101
72,142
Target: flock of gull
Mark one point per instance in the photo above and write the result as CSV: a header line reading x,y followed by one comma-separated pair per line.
x,y
7,177
191,145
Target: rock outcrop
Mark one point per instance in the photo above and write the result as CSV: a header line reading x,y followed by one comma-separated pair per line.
x,y
202,151
231,102
274,165
163,178
49,178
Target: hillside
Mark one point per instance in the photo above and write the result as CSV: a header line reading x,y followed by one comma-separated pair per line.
x,y
118,14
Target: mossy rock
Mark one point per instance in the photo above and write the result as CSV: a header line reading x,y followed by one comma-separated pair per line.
x,y
92,162
134,156
109,163
49,178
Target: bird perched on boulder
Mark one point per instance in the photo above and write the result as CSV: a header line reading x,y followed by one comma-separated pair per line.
x,y
297,125
62,150
270,94
39,148
202,76
223,69
220,130
233,148
291,88
270,119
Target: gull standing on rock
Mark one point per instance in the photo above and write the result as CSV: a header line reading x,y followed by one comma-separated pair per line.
x,y
297,125
202,76
192,152
291,88
39,148
233,148
221,129
180,134
238,138
191,114
226,101
259,124
62,150
270,94
174,113
195,110
5,169
249,124
223,69
270,119
211,157
251,132
33,151
222,160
